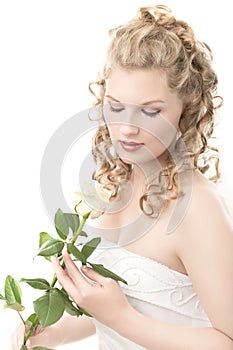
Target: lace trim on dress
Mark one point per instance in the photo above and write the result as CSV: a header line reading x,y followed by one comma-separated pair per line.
x,y
153,282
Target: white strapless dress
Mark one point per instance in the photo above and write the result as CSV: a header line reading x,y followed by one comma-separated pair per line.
x,y
154,290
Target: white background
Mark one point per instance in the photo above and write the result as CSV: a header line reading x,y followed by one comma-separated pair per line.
x,y
50,50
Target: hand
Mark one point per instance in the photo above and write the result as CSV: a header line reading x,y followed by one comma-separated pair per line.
x,y
17,338
103,298
40,337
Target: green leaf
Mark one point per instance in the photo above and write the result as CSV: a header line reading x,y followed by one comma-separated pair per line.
x,y
70,308
49,308
61,224
83,233
23,347
37,283
106,273
2,297
13,292
73,221
44,237
85,312
16,306
90,246
32,320
52,247
76,253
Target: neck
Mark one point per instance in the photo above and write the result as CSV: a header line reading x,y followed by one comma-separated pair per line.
x,y
142,175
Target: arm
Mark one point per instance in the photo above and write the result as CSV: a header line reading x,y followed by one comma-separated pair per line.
x,y
69,329
153,334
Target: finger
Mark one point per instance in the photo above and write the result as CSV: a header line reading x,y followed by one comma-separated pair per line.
x,y
37,330
74,287
33,341
64,279
74,273
61,274
38,339
93,275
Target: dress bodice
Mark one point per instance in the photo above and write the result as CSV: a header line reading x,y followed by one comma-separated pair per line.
x,y
154,290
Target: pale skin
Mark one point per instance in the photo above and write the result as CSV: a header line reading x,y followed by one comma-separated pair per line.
x,y
201,246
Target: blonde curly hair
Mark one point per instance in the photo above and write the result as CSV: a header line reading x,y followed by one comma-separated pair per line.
x,y
156,39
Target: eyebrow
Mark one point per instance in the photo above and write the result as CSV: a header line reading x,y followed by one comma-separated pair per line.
x,y
143,104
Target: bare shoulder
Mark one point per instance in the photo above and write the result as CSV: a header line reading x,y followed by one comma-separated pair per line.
x,y
207,205
205,247
207,218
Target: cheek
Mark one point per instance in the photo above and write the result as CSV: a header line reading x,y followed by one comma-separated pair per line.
x,y
174,119
175,122
155,145
113,131
162,132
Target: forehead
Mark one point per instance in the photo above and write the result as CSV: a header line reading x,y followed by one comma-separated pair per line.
x,y
134,86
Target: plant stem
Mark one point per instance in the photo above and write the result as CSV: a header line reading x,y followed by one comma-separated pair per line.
x,y
21,317
54,280
30,330
73,240
79,230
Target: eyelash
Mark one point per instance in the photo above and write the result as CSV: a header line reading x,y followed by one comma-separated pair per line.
x,y
149,114
117,110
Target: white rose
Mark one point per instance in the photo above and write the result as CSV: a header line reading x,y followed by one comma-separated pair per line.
x,y
93,200
102,192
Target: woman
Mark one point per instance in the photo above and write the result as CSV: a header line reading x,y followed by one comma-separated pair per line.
x,y
158,92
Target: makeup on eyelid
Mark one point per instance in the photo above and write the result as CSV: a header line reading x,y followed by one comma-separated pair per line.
x,y
149,112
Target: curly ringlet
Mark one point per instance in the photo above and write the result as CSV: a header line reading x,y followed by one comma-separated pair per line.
x,y
156,39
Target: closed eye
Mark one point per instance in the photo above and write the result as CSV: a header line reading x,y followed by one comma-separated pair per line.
x,y
115,107
117,110
150,114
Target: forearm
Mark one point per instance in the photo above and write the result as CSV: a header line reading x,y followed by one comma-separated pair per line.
x,y
153,334
69,329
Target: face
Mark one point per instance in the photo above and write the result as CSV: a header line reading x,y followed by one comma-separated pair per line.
x,y
141,113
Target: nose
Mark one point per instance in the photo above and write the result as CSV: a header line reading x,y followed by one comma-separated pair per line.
x,y
129,129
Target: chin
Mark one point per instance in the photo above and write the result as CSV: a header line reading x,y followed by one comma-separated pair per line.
x,y
141,159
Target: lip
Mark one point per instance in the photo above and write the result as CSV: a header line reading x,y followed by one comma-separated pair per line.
x,y
130,146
